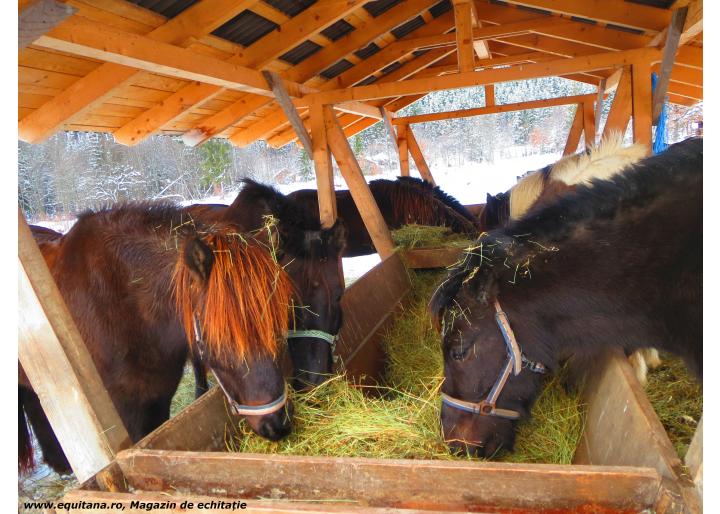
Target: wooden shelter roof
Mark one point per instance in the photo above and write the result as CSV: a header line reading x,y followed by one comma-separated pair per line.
x,y
191,67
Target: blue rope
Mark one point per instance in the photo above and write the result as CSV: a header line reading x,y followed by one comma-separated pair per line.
x,y
660,144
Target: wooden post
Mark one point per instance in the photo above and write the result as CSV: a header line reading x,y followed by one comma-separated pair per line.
x,y
464,35
589,124
283,99
359,190
417,155
642,103
599,104
489,95
61,370
322,159
575,130
402,144
672,40
621,109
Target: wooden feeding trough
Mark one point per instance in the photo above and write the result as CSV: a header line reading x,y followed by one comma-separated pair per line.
x,y
185,459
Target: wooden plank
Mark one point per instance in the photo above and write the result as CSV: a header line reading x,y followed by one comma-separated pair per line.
x,y
323,168
462,10
387,120
369,306
60,368
588,111
493,109
425,258
39,17
97,86
363,198
600,98
397,483
621,109
642,103
417,155
284,100
576,129
672,41
402,145
694,458
481,78
489,95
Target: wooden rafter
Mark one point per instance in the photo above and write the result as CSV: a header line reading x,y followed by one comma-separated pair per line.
x,y
91,90
288,35
462,10
306,70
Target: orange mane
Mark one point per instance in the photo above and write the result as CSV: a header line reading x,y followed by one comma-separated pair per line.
x,y
243,309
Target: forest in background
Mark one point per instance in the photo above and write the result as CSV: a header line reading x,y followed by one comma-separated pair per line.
x,y
74,171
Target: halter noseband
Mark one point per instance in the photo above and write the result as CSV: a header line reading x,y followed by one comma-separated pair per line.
x,y
238,408
514,365
315,334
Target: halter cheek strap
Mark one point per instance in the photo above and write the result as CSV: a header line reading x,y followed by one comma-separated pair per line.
x,y
238,408
315,334
514,365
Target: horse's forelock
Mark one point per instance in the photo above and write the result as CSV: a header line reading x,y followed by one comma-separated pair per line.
x,y
243,307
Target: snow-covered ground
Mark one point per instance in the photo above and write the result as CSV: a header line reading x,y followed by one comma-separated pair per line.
x,y
469,183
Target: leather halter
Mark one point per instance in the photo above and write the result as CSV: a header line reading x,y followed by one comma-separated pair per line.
x,y
514,365
315,334
238,408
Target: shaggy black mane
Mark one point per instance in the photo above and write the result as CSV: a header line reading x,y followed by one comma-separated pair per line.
x,y
438,193
679,168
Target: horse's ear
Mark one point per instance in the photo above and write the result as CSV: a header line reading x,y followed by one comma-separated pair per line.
x,y
199,259
436,308
488,198
338,236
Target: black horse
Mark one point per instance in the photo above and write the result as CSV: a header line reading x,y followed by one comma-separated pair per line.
x,y
615,264
401,202
312,257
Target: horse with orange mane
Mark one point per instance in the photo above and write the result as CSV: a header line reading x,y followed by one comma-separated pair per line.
x,y
312,257
144,283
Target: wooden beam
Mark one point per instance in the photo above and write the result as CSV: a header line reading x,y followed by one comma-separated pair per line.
x,y
589,124
493,109
693,21
282,97
576,129
199,19
672,41
39,17
599,99
462,10
402,143
323,168
642,103
615,12
387,120
489,95
61,369
481,47
546,69
359,190
621,109
417,155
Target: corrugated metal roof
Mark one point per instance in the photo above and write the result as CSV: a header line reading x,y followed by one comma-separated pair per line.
x,y
168,8
290,7
245,28
407,27
337,30
367,81
378,7
300,52
337,68
392,67
369,50
440,8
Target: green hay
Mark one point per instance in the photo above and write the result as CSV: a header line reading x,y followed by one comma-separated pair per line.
x,y
677,399
338,419
421,236
185,393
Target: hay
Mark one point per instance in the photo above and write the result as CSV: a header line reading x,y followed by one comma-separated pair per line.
x,y
677,399
338,419
421,236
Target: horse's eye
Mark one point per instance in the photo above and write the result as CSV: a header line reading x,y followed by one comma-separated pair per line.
x,y
459,353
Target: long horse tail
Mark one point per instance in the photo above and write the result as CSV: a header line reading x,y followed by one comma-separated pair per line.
x,y
26,454
52,452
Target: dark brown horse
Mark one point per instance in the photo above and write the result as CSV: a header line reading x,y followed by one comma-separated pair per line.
x,y
312,257
618,263
401,202
143,283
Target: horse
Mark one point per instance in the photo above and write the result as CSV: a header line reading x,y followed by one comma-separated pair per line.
x,y
401,202
312,257
183,284
597,268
